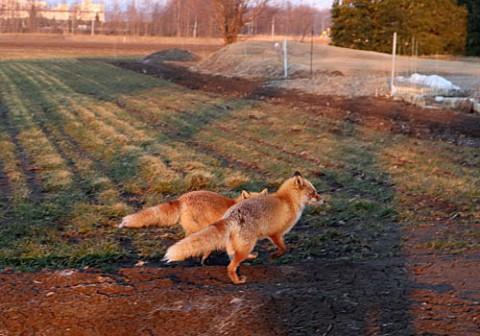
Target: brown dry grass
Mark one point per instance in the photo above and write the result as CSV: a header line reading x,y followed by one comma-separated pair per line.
x,y
42,46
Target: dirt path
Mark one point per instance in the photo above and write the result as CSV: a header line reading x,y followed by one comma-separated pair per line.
x,y
310,299
417,294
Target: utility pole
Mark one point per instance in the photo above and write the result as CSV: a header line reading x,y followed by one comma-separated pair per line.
x,y
311,54
394,52
273,26
285,49
195,27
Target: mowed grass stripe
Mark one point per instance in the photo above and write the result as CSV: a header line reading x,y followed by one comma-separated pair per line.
x,y
105,143
12,167
107,112
46,110
79,166
428,179
223,143
88,177
356,163
73,102
52,169
36,236
176,120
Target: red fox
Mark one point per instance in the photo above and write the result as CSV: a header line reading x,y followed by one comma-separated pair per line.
x,y
193,211
243,224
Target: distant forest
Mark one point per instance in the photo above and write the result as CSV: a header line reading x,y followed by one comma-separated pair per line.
x,y
427,27
180,18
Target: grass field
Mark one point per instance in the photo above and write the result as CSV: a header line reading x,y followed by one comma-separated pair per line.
x,y
83,143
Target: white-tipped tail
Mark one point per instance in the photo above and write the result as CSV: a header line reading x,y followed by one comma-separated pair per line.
x,y
165,214
209,239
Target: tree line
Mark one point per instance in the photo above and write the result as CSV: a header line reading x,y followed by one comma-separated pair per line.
x,y
473,26
423,27
213,18
185,18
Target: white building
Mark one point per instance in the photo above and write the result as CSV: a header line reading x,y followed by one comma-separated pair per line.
x,y
23,9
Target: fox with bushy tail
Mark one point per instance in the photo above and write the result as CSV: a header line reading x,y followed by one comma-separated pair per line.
x,y
193,211
245,223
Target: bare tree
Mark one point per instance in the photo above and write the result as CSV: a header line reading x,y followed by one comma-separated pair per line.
x,y
232,15
32,19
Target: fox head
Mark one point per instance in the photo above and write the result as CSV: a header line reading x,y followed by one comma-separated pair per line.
x,y
306,189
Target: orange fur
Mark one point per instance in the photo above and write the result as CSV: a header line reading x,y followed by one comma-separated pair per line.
x,y
193,211
244,223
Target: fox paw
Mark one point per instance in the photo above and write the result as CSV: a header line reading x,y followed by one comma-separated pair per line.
x,y
275,255
241,279
252,255
125,222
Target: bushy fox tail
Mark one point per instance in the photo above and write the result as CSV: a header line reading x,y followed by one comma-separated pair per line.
x,y
165,214
211,238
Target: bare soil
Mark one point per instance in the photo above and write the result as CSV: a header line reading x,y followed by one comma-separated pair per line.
x,y
418,293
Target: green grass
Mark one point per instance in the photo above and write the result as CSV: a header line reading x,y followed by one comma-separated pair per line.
x,y
83,143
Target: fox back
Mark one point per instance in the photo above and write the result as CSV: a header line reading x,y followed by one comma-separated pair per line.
x,y
198,209
274,213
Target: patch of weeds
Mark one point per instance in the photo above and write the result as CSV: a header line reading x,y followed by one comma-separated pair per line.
x,y
101,261
451,245
153,242
345,211
124,166
34,211
198,180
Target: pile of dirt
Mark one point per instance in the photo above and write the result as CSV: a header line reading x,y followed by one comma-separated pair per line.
x,y
327,70
254,59
171,55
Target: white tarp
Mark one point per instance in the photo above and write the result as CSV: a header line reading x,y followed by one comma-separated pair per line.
x,y
433,81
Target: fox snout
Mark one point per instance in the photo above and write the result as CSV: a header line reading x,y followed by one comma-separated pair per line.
x,y
316,200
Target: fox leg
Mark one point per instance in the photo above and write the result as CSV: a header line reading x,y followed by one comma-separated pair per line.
x,y
231,251
232,268
204,257
239,255
282,248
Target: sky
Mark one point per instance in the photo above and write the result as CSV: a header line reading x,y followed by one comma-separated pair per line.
x,y
321,4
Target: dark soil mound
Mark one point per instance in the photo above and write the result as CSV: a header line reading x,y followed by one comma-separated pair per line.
x,y
171,55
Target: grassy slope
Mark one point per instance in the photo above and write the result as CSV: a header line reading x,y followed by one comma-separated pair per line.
x,y
83,143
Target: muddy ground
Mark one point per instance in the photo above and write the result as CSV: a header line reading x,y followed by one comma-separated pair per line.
x,y
418,293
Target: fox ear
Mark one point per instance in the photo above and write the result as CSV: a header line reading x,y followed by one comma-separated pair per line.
x,y
298,180
246,194
264,192
297,173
